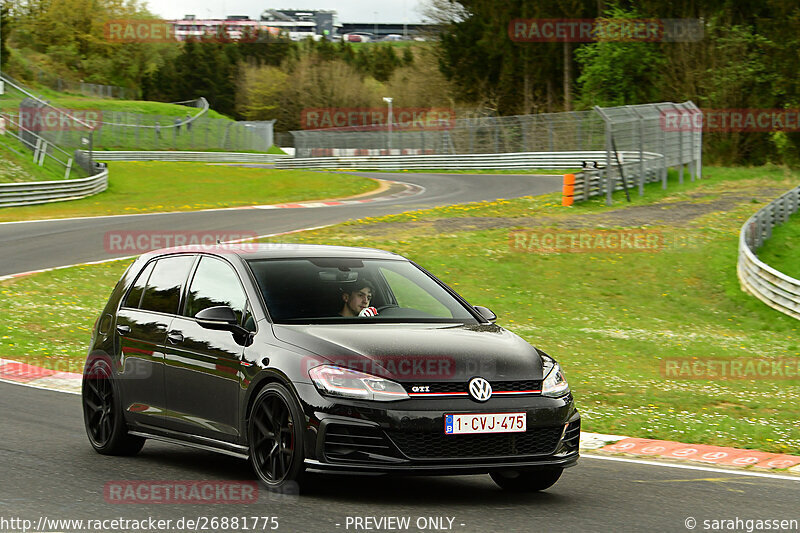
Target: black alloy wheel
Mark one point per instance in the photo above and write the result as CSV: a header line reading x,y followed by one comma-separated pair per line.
x,y
275,437
532,480
102,416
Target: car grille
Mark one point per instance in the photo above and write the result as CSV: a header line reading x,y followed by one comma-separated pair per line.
x,y
358,444
572,435
462,386
535,441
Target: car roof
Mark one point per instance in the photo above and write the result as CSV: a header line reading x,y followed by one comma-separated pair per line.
x,y
254,251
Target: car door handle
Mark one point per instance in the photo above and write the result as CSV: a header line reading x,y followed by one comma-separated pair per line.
x,y
123,330
174,337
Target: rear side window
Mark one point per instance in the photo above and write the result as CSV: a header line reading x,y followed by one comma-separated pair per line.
x,y
215,283
163,292
135,295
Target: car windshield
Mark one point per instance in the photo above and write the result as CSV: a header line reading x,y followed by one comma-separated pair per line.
x,y
320,290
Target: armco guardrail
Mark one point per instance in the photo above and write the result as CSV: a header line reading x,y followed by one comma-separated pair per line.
x,y
774,288
32,193
640,168
220,157
522,161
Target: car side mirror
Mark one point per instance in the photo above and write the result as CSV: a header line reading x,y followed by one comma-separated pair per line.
x,y
219,317
486,313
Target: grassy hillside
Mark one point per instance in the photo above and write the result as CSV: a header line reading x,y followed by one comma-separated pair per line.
x,y
16,166
12,99
782,250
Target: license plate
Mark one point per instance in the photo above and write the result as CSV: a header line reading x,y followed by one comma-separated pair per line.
x,y
484,423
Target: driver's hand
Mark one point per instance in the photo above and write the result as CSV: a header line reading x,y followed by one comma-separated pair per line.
x,y
368,311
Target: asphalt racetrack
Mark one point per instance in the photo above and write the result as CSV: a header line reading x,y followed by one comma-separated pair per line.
x,y
45,244
48,470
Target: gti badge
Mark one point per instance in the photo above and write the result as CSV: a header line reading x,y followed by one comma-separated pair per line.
x,y
480,389
421,388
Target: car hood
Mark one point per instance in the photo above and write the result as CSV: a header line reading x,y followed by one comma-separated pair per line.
x,y
419,352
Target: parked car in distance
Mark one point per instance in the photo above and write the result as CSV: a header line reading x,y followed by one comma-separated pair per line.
x,y
311,359
358,37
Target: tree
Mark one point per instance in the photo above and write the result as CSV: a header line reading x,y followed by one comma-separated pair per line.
x,y
259,89
618,72
491,69
5,27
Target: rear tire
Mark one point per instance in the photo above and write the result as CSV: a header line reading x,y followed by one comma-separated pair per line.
x,y
102,413
532,480
275,439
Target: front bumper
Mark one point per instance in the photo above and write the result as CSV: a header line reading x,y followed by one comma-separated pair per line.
x,y
408,436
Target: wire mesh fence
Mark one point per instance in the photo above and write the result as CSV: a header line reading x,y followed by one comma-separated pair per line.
x,y
647,129
26,144
106,129
547,132
636,144
132,131
30,128
94,90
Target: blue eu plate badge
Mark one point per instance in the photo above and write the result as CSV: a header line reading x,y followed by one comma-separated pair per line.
x,y
448,424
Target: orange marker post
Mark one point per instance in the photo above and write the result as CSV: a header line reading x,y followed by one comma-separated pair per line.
x,y
568,190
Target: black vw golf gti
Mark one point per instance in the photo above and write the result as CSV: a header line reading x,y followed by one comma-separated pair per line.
x,y
322,359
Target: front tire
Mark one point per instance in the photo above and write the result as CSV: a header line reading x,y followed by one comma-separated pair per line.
x,y
275,438
102,413
532,480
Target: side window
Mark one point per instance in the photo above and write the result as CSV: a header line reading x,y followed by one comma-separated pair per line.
x,y
163,291
411,295
215,283
135,295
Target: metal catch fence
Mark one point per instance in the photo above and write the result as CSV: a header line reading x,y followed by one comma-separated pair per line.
x,y
625,147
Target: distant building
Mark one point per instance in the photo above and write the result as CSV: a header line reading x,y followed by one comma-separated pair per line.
x,y
301,24
296,25
233,26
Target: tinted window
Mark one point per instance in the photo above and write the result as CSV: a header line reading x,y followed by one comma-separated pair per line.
x,y
215,283
164,287
135,295
311,290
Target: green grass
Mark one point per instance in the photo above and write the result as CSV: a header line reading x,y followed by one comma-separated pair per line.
x,y
16,168
611,319
11,102
781,251
193,186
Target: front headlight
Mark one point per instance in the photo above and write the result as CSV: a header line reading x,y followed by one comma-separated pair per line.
x,y
554,384
345,383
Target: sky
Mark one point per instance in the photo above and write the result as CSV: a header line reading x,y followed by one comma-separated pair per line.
x,y
349,10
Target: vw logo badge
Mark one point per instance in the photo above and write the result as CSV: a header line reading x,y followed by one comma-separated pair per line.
x,y
480,389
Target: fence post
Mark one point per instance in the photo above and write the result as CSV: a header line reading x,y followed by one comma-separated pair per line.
x,y
42,153
640,122
607,170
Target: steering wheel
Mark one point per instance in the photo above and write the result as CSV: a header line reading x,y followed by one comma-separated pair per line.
x,y
387,306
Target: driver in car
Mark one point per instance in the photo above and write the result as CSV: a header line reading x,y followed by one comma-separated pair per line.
x,y
357,299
